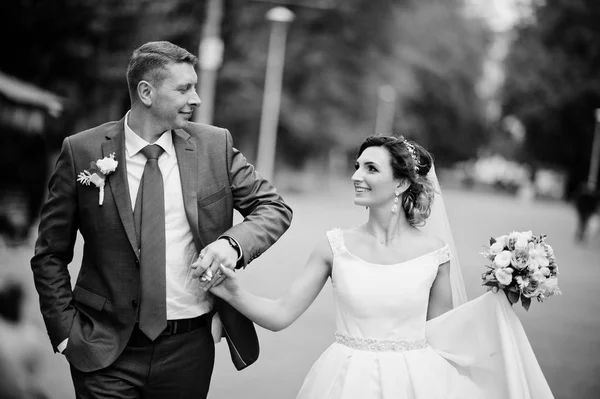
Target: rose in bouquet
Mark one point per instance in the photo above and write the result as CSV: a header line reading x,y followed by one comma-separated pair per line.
x,y
523,266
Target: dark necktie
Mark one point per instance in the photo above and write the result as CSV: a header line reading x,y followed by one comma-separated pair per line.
x,y
153,308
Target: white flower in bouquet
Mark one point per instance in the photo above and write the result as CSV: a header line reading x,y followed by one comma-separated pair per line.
x,y
537,255
499,245
527,234
503,259
518,239
538,276
521,242
550,286
521,282
532,291
520,258
514,235
504,275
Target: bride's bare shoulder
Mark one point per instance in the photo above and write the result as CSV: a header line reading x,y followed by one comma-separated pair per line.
x,y
352,230
429,242
353,236
328,244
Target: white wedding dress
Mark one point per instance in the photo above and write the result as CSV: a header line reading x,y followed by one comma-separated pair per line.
x,y
385,349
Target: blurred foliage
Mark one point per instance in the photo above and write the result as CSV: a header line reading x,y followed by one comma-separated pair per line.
x,y
80,48
329,57
336,59
53,40
23,172
553,83
338,56
442,52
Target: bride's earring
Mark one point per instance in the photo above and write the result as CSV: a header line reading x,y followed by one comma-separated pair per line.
x,y
395,206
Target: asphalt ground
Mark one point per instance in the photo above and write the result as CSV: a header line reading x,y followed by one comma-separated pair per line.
x,y
564,331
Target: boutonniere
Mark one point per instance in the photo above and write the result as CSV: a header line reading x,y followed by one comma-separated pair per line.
x,y
97,174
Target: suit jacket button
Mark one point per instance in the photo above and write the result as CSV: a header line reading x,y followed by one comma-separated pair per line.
x,y
137,262
134,304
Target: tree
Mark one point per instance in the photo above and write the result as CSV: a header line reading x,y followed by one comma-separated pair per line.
x,y
330,55
80,49
553,83
337,59
443,52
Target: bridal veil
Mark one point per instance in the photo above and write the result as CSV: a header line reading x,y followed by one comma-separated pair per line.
x,y
438,225
483,338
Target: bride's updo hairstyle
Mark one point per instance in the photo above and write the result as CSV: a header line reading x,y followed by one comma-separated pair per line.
x,y
410,162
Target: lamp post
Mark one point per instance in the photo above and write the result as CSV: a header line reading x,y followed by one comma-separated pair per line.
x,y
595,158
386,109
280,18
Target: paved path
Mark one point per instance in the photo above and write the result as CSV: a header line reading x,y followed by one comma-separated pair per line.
x,y
564,331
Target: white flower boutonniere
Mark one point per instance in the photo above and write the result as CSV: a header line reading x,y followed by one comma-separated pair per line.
x,y
97,174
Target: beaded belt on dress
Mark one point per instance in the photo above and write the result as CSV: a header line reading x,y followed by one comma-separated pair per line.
x,y
379,345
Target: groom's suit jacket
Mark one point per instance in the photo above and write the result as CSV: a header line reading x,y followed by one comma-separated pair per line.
x,y
99,313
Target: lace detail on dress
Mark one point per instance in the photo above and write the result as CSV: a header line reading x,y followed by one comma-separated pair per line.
x,y
336,240
379,345
443,255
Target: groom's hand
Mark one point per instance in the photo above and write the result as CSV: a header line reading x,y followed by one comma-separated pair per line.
x,y
207,267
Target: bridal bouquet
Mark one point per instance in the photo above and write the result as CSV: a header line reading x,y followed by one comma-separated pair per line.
x,y
523,266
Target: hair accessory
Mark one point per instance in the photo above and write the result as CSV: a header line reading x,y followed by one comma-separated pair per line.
x,y
413,154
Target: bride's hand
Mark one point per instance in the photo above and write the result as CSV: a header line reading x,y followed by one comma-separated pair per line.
x,y
229,287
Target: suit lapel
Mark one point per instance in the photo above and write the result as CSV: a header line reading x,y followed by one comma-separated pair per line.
x,y
187,159
115,142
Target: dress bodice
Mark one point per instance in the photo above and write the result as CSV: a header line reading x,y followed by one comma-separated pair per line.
x,y
382,302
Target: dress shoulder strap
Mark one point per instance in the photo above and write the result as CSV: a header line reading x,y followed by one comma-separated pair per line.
x,y
443,254
336,240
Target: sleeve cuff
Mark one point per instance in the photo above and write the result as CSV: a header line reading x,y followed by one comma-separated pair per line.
x,y
237,246
62,346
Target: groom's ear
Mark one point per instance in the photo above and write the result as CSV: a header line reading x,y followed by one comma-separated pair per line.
x,y
144,90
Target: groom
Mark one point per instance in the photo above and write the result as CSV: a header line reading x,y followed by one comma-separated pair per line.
x,y
160,192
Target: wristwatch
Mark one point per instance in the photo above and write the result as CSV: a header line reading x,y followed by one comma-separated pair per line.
x,y
233,244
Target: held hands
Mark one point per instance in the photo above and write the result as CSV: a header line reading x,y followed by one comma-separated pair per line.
x,y
207,267
230,287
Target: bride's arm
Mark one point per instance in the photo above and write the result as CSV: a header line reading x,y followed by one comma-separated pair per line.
x,y
277,314
440,296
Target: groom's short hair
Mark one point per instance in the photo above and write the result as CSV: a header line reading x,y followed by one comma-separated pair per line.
x,y
149,60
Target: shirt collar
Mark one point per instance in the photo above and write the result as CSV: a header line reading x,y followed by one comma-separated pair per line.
x,y
134,143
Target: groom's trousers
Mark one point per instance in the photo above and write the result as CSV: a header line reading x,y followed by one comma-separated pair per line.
x,y
173,366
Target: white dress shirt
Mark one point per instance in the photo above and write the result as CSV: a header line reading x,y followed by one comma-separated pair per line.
x,y
185,299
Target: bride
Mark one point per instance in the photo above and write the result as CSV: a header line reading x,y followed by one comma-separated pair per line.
x,y
404,327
